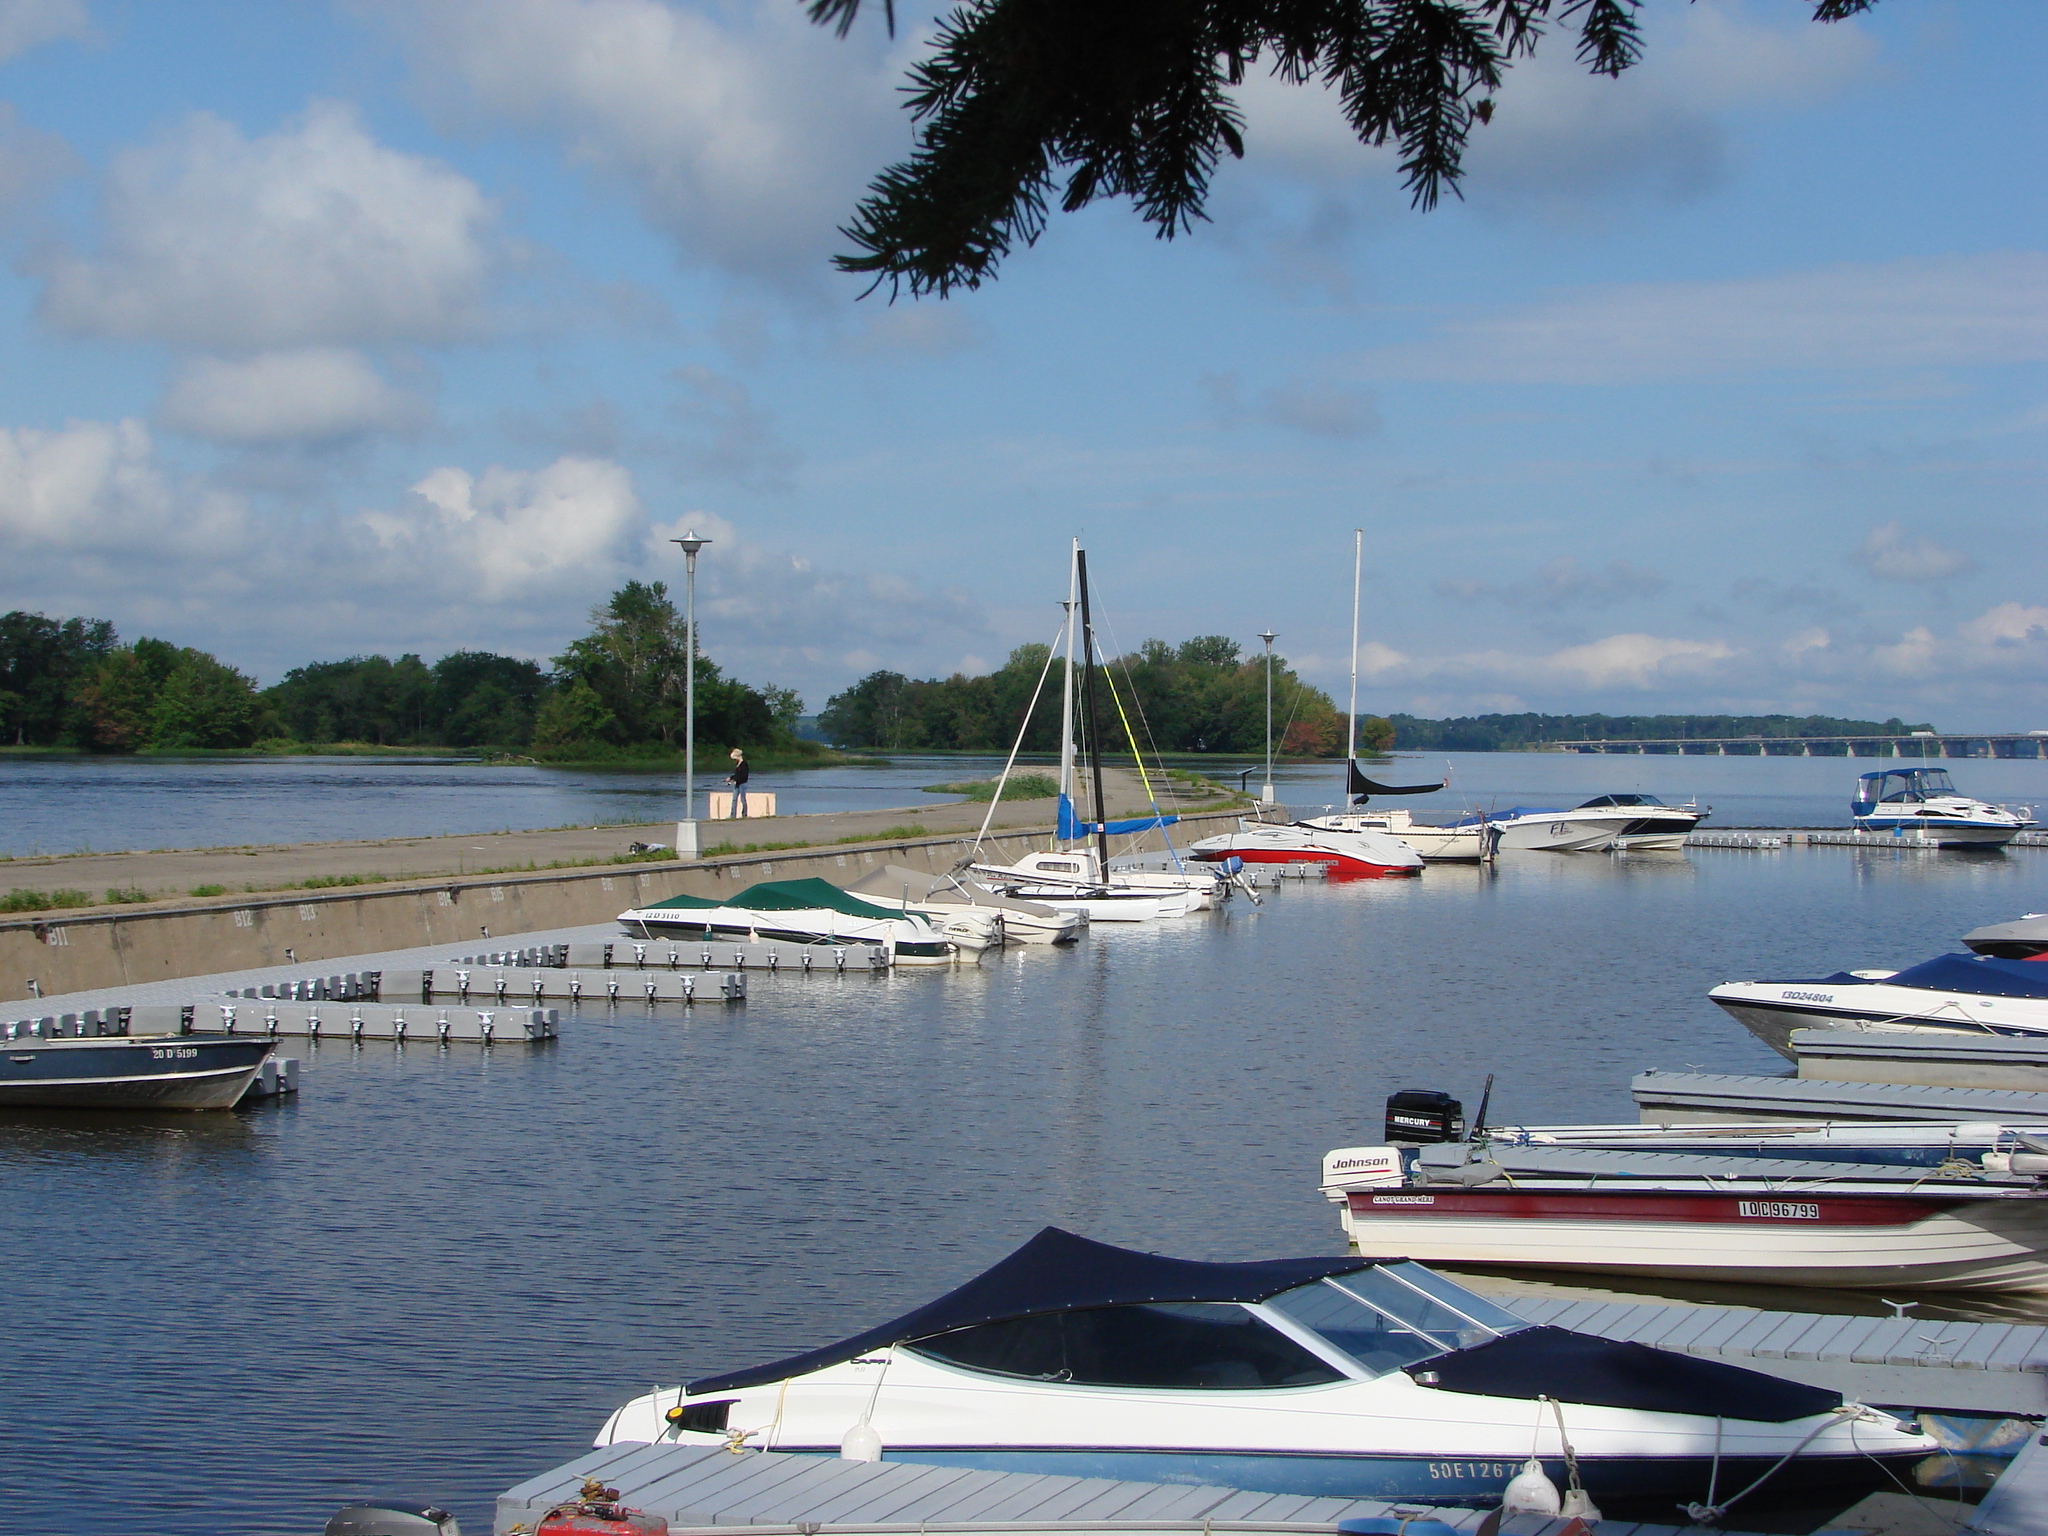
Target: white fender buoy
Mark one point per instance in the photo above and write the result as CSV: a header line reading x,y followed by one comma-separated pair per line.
x,y
863,1444
1579,1505
1532,1492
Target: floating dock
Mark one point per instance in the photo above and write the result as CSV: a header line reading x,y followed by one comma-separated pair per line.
x,y
1925,1058
1693,1098
350,1021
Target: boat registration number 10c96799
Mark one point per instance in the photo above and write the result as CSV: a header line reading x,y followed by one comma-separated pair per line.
x,y
1781,1210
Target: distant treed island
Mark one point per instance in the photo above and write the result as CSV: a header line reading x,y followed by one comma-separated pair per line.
x,y
615,693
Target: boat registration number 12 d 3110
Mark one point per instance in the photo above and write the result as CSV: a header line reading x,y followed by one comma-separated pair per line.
x,y
1779,1210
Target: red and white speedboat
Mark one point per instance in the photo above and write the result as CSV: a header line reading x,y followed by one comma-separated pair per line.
x,y
1350,855
1916,1231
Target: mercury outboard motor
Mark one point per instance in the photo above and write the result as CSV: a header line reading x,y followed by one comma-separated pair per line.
x,y
392,1517
1420,1116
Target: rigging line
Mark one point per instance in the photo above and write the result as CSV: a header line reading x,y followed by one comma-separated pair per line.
x,y
1029,710
1137,701
1145,778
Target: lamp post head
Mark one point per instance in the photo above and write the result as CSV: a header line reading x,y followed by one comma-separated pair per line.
x,y
691,543
1269,637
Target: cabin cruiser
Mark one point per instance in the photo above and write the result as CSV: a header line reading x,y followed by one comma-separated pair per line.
x,y
952,897
809,911
1348,854
1779,1220
2021,939
1334,1377
1073,880
1463,844
1978,994
1921,807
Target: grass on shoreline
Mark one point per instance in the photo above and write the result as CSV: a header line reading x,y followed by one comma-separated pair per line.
x,y
1024,786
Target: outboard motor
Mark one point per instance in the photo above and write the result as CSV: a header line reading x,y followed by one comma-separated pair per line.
x,y
392,1517
1420,1116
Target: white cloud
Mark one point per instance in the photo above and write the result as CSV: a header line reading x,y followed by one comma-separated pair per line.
x,y
2007,624
93,488
511,532
1561,586
312,395
1634,661
1887,552
746,134
1919,312
312,235
30,160
26,24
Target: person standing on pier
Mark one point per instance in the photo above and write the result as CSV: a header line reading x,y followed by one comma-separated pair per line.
x,y
738,780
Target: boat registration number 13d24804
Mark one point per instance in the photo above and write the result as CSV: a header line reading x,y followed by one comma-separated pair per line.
x,y
1780,1210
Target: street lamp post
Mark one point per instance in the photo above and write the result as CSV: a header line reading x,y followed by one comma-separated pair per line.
x,y
1269,637
686,829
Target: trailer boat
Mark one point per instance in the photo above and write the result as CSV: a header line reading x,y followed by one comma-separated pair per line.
x,y
1333,1377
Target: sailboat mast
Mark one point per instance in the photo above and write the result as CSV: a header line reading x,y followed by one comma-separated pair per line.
x,y
1351,714
1092,715
1067,682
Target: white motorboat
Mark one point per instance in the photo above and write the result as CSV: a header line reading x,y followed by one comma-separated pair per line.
x,y
1980,994
1347,854
1922,808
810,911
1463,844
1691,1216
1335,1377
1655,825
1072,880
1589,828
952,897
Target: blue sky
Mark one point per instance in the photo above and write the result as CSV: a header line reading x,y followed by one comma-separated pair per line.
x,y
420,324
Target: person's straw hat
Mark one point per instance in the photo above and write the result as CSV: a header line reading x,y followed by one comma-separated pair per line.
x,y
736,754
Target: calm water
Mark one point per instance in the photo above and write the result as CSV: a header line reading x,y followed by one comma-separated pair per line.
x,y
70,805
439,1270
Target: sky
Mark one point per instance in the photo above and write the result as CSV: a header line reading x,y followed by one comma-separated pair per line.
x,y
420,325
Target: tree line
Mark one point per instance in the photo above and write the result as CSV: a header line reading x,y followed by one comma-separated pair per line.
x,y
1506,733
616,692
1203,695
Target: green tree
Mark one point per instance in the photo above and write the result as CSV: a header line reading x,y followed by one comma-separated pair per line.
x,y
203,702
1021,101
44,663
572,715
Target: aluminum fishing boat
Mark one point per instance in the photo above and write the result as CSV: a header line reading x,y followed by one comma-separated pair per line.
x,y
952,896
1338,1377
1347,854
128,1071
1979,994
1921,807
809,911
1997,1148
1781,1221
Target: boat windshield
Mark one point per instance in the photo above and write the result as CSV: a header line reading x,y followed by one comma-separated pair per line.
x,y
1393,1315
1911,784
1606,800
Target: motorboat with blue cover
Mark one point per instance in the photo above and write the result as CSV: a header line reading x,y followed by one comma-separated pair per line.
x,y
128,1071
809,911
1923,808
1976,994
1341,1377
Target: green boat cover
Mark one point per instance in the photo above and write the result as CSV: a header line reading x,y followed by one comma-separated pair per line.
x,y
779,896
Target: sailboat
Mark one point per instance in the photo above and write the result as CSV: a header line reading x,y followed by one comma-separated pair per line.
x,y
1071,876
1349,845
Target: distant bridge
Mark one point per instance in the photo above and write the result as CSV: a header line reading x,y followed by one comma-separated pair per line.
x,y
1916,744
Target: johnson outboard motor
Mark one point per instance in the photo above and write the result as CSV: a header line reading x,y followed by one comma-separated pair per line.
x,y
392,1517
1421,1116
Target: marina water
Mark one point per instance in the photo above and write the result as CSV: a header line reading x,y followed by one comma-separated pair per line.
x,y
438,1269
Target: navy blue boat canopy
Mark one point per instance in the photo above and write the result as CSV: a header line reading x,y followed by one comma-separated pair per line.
x,y
1055,1272
1981,975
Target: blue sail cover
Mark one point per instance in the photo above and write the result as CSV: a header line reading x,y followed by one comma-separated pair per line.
x,y
1979,975
1055,1272
1072,827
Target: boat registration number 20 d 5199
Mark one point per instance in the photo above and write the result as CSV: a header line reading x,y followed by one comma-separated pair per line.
x,y
1779,1210
172,1052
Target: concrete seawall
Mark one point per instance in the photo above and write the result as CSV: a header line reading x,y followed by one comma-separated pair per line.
x,y
63,951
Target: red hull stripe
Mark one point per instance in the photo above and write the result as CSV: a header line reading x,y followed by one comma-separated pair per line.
x,y
1340,864
1661,1206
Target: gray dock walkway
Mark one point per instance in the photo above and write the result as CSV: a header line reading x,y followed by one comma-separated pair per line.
x,y
1692,1098
1928,1058
790,1495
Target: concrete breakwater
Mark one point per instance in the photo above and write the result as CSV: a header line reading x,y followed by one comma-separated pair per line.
x,y
45,954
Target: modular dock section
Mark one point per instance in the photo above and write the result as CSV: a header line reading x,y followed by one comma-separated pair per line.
x,y
776,1493
1693,1098
1927,1058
